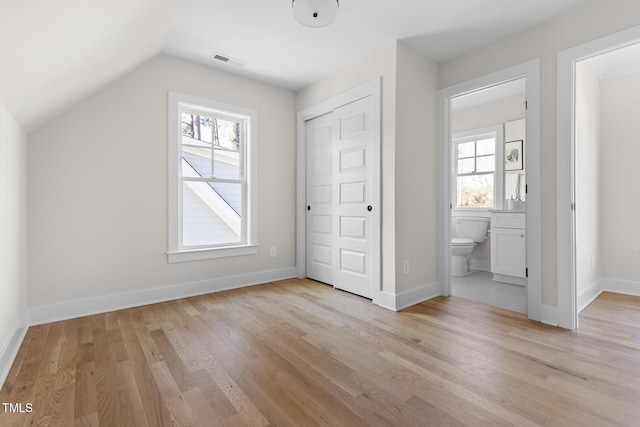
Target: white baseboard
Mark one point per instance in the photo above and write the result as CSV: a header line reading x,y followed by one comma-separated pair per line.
x,y
418,295
480,264
586,296
397,302
549,315
385,300
103,304
626,287
9,350
552,316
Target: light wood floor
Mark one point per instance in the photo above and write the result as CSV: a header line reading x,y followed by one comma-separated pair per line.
x,y
297,353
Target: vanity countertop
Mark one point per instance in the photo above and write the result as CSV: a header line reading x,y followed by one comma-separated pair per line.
x,y
508,210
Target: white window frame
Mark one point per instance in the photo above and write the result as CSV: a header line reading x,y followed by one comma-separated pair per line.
x,y
496,132
248,176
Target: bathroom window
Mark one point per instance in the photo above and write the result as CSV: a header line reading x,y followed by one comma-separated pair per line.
x,y
212,192
475,170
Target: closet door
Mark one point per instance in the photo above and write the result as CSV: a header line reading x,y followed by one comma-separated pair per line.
x,y
320,195
342,217
354,208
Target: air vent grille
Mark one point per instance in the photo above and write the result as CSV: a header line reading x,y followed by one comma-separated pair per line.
x,y
226,59
221,58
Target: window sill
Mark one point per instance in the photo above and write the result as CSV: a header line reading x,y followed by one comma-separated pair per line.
x,y
211,253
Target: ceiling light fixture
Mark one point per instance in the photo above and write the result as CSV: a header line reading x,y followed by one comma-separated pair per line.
x,y
315,13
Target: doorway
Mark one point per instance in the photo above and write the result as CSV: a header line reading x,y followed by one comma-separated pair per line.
x,y
598,83
446,97
488,194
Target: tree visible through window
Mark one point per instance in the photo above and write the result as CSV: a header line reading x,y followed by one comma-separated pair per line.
x,y
475,165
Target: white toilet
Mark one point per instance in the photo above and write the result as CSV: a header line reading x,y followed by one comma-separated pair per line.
x,y
469,231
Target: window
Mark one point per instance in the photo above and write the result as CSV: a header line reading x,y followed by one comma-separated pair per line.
x,y
212,189
475,170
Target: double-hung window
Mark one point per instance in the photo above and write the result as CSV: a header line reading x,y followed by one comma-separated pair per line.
x,y
212,188
475,170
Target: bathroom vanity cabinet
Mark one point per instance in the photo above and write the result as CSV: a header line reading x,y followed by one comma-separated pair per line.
x,y
509,247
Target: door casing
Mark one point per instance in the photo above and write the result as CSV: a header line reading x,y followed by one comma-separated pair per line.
x,y
566,182
531,71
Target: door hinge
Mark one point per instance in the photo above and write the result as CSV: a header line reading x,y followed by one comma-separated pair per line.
x,y
526,105
526,272
573,206
450,205
526,189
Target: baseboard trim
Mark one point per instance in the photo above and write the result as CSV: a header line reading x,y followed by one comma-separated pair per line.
x,y
10,349
626,287
385,300
587,296
79,308
480,264
549,315
418,295
397,302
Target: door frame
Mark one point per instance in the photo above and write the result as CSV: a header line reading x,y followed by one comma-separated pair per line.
x,y
531,71
370,88
566,152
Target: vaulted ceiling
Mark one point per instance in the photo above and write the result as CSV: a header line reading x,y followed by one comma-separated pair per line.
x,y
55,53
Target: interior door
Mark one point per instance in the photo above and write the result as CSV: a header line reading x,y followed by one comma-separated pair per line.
x,y
320,136
354,199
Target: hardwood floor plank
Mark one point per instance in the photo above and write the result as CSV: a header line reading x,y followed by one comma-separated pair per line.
x,y
90,420
457,390
130,402
105,383
171,359
141,372
202,409
295,352
175,410
85,397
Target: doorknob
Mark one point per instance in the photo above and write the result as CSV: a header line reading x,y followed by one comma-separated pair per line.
x,y
308,208
369,208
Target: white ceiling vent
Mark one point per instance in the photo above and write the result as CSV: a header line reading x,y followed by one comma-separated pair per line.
x,y
228,60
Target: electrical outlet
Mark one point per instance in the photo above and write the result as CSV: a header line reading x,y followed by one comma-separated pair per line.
x,y
405,266
273,252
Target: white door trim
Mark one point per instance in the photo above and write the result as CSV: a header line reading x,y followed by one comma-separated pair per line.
x,y
370,88
565,193
530,70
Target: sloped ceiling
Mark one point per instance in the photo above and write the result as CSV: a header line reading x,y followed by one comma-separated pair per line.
x,y
55,53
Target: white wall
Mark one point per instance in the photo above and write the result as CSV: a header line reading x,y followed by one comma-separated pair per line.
x,y
620,177
416,233
595,19
489,114
381,63
587,172
97,188
13,232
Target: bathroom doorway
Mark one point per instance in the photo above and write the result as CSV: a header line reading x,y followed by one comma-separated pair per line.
x,y
478,120
599,83
488,126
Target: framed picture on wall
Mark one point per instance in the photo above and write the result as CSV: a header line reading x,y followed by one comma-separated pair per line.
x,y
513,155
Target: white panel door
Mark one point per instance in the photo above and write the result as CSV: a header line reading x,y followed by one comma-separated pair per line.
x,y
354,199
320,136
